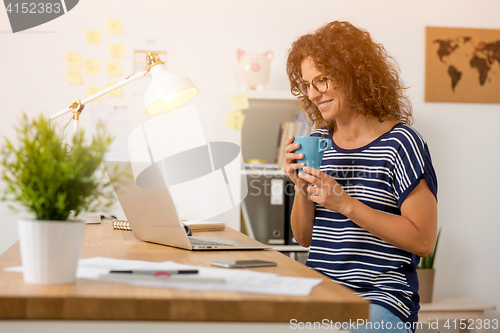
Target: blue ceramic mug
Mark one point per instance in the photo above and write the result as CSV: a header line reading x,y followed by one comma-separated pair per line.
x,y
313,148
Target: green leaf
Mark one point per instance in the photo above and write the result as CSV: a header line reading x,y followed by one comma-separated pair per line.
x,y
42,176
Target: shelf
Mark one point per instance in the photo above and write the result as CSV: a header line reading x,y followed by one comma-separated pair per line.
x,y
290,248
281,95
268,109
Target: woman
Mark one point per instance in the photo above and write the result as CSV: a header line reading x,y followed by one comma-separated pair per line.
x,y
370,212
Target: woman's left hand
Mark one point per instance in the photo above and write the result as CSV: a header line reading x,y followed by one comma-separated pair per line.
x,y
326,192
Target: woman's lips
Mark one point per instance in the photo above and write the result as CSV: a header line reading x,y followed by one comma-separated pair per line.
x,y
323,105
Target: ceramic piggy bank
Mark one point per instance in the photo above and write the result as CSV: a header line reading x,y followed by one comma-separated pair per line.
x,y
252,70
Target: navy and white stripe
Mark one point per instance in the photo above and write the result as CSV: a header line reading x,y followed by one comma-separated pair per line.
x,y
380,175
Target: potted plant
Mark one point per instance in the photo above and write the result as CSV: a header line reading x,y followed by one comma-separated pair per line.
x,y
426,273
54,182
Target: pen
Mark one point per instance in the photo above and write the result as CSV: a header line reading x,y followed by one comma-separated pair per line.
x,y
180,271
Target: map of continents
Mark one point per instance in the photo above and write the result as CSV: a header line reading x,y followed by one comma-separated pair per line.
x,y
482,57
462,65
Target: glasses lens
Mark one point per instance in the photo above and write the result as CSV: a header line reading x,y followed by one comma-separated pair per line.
x,y
320,84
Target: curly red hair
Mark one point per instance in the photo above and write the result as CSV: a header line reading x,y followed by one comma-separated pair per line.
x,y
361,67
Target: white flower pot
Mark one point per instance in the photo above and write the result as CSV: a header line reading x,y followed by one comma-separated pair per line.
x,y
426,284
50,250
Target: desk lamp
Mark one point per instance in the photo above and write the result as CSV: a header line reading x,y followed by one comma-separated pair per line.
x,y
166,92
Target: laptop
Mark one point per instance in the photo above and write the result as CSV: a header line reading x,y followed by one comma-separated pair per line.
x,y
152,215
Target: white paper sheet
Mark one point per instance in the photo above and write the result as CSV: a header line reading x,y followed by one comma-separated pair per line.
x,y
236,280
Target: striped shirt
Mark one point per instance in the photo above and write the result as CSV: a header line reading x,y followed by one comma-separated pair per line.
x,y
380,175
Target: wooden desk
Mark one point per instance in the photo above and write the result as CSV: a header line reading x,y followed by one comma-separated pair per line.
x,y
456,312
99,300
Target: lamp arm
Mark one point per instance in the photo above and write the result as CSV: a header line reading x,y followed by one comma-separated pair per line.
x,y
113,87
80,104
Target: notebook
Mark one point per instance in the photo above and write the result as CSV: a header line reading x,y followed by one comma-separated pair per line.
x,y
193,225
152,216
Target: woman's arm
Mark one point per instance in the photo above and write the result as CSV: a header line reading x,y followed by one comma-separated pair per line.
x,y
302,219
414,231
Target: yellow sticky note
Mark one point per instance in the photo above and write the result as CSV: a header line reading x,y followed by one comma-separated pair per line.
x,y
73,59
115,93
116,51
91,67
115,27
93,37
94,90
113,68
240,102
74,76
235,120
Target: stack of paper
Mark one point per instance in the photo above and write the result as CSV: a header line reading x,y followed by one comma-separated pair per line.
x,y
246,281
221,279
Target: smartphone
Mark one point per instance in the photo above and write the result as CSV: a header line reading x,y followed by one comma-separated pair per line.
x,y
242,263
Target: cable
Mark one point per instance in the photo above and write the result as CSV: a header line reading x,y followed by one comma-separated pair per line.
x,y
62,137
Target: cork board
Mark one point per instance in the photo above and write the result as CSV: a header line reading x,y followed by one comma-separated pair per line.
x,y
462,65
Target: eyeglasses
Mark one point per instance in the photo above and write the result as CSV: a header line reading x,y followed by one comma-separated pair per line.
x,y
319,83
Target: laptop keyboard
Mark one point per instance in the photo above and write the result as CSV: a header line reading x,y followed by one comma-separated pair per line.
x,y
195,241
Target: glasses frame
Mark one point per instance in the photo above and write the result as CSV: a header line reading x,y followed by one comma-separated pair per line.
x,y
304,87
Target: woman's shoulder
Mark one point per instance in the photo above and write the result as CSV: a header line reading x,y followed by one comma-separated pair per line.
x,y
406,135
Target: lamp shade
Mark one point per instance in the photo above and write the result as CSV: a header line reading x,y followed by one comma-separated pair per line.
x,y
167,91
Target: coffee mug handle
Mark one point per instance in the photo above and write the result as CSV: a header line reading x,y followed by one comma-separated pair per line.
x,y
321,143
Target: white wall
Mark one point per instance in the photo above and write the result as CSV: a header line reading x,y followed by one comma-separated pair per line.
x,y
204,36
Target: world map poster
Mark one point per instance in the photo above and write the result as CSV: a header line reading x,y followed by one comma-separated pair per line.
x,y
462,65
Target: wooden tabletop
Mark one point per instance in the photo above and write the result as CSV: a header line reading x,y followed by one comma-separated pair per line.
x,y
100,300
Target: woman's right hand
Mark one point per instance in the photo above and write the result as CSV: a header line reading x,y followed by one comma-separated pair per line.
x,y
291,166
